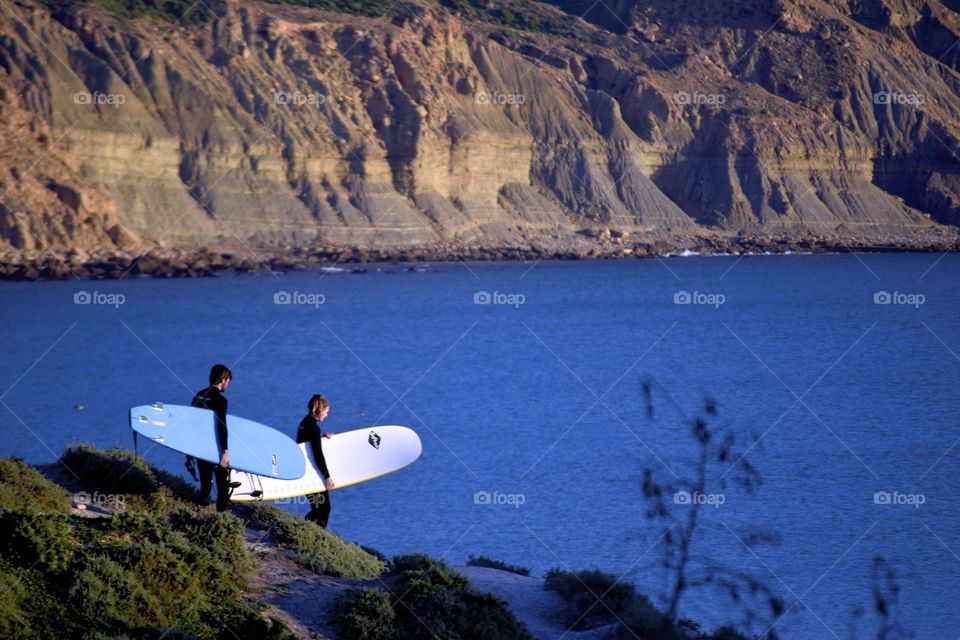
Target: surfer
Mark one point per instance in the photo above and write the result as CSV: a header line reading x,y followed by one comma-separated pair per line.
x,y
309,431
212,398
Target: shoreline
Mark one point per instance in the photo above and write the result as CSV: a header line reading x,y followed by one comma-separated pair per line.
x,y
202,262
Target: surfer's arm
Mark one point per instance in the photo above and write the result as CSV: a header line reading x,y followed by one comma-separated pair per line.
x,y
221,417
221,413
318,456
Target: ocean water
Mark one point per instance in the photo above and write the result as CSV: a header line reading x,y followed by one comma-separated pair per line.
x,y
839,373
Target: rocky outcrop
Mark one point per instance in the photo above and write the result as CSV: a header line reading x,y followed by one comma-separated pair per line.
x,y
278,126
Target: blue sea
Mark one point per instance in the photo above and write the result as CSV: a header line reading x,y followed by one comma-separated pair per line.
x,y
837,375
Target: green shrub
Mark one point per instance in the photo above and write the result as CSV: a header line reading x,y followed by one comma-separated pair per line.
x,y
727,633
113,471
429,601
169,577
28,608
13,620
220,534
128,527
35,540
172,572
593,598
189,12
122,473
312,546
485,616
182,11
326,553
379,556
483,561
22,488
646,621
524,16
433,593
104,596
372,8
412,562
365,613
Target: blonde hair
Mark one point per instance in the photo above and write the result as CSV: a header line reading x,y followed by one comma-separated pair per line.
x,y
317,403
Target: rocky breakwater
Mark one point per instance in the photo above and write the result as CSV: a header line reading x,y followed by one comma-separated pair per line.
x,y
590,244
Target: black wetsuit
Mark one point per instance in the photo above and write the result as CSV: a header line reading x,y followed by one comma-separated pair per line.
x,y
309,431
211,398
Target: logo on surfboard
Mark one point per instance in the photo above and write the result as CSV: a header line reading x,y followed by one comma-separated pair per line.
x,y
374,440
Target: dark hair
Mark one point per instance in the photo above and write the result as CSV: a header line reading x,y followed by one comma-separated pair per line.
x,y
317,403
219,373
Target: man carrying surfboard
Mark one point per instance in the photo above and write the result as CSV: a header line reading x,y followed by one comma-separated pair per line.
x,y
212,398
309,431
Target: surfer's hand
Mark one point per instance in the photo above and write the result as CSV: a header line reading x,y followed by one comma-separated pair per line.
x,y
225,460
329,484
328,435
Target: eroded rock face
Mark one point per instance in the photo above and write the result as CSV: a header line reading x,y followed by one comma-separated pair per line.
x,y
279,126
46,203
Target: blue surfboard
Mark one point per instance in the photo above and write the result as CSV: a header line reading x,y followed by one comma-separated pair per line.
x,y
254,448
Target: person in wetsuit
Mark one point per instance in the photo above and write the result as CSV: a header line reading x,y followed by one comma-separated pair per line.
x,y
212,398
309,431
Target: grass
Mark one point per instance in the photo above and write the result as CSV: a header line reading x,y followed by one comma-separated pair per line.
x,y
311,546
483,561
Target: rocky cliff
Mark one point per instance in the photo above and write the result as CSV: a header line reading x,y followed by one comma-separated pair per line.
x,y
465,123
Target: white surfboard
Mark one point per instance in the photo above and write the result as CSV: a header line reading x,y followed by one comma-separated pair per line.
x,y
352,457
